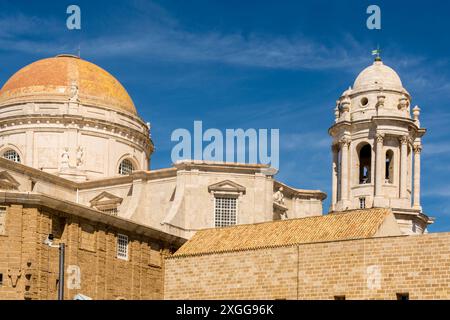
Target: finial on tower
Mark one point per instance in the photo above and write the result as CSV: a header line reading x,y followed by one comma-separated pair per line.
x,y
377,53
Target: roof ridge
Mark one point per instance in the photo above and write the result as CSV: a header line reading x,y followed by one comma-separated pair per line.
x,y
354,224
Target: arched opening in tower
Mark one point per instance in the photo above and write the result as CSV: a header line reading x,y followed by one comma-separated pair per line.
x,y
365,161
389,169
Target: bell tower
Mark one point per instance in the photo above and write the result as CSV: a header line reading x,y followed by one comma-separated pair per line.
x,y
376,148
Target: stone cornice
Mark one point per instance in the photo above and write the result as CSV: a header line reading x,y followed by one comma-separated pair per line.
x,y
136,175
35,174
413,212
131,135
71,208
212,166
300,193
377,120
376,88
63,100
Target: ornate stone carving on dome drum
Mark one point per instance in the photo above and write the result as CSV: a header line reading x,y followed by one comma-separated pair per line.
x,y
80,155
65,158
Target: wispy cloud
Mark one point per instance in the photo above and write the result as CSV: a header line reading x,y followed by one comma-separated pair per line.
x,y
436,148
301,142
159,36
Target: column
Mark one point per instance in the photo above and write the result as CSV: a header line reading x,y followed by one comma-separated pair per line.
x,y
416,199
403,166
28,152
334,176
379,164
345,143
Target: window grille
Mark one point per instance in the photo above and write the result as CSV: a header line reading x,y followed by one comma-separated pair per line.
x,y
122,246
225,211
126,167
111,211
11,155
362,203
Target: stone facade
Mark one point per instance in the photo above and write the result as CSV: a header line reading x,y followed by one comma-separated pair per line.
x,y
29,268
375,268
70,130
165,199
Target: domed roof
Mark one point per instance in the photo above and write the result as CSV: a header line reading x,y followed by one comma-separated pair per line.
x,y
378,75
67,77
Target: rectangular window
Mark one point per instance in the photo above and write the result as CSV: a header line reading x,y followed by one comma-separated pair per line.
x,y
339,297
111,211
2,220
403,296
1,279
122,246
362,203
224,211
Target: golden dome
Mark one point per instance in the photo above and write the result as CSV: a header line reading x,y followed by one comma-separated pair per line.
x,y
66,77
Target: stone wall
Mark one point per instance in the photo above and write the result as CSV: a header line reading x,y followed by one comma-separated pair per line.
x,y
30,269
376,268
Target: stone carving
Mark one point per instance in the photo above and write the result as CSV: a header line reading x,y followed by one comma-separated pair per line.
x,y
417,148
65,158
403,103
416,114
74,277
404,140
345,104
80,155
345,142
283,215
336,113
380,100
278,196
14,275
379,138
73,92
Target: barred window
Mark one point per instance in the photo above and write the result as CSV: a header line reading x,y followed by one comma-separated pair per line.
x,y
122,246
11,155
362,203
111,211
126,167
224,211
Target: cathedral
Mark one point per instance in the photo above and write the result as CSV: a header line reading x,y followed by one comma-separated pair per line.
x,y
75,168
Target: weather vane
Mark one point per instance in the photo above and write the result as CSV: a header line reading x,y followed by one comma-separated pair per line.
x,y
377,53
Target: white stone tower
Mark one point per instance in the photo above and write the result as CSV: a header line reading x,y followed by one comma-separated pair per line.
x,y
376,148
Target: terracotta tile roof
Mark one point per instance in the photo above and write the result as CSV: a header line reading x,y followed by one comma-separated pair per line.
x,y
353,224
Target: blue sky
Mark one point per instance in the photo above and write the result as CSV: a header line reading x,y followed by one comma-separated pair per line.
x,y
253,64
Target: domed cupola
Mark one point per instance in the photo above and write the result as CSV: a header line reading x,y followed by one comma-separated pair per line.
x,y
376,148
377,76
377,91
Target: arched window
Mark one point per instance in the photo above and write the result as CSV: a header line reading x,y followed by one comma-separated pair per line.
x,y
389,173
11,155
365,160
126,167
